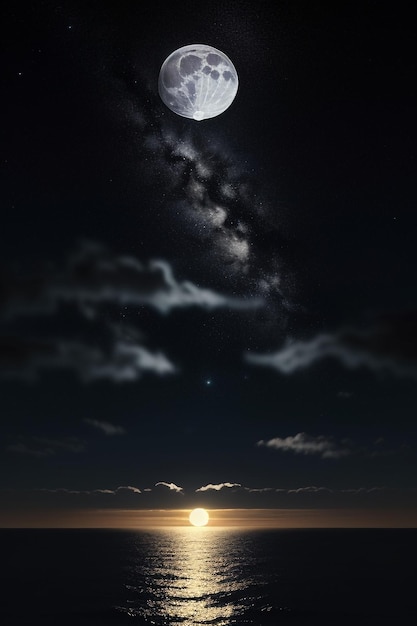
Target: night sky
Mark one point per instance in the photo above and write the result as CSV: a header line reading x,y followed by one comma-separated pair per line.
x,y
219,313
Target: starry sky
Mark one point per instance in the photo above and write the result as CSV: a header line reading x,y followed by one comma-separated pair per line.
x,y
219,313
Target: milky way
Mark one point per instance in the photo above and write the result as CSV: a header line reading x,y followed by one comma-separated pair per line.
x,y
229,229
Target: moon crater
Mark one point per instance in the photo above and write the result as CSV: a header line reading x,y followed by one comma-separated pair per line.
x,y
198,82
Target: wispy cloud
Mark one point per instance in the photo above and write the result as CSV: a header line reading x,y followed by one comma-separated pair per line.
x,y
299,355
105,427
170,486
328,447
94,276
122,362
311,496
128,488
312,489
85,492
185,294
302,443
217,487
387,348
127,363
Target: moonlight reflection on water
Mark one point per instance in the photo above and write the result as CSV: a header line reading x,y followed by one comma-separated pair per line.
x,y
188,576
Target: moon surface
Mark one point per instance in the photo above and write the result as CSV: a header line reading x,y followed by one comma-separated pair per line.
x,y
199,517
198,82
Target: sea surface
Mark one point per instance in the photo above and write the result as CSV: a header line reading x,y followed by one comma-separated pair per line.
x,y
191,576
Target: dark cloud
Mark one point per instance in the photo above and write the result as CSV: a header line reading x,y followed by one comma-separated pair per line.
x,y
108,492
43,446
82,298
346,395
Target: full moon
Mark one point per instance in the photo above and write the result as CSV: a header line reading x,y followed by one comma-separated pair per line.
x,y
198,82
199,517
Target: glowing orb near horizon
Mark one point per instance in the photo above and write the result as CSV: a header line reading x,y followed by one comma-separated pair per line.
x,y
197,82
199,517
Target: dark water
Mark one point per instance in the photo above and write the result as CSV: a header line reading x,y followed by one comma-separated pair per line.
x,y
194,576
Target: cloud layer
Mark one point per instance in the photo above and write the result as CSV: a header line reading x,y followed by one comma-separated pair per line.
x,y
162,495
93,287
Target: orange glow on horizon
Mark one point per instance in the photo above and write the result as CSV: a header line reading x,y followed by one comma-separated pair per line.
x,y
244,519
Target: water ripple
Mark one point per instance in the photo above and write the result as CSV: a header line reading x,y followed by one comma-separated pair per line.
x,y
190,577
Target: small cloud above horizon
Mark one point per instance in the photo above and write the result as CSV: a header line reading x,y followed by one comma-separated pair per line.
x,y
169,496
302,443
105,427
217,487
170,486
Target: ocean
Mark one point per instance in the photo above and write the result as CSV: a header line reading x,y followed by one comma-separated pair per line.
x,y
194,576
